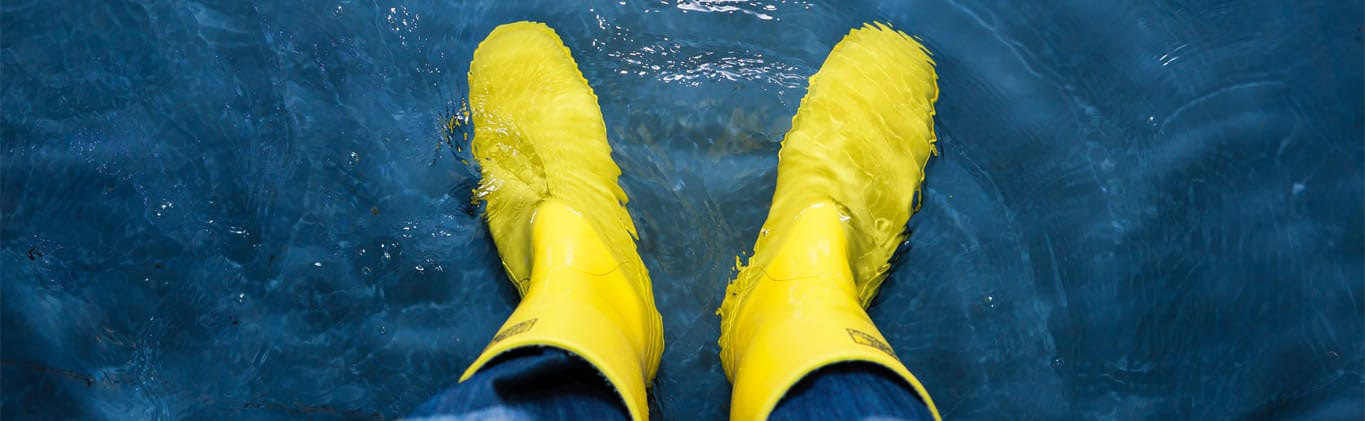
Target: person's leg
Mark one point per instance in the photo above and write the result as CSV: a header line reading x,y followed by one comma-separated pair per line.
x,y
559,221
848,174
528,384
851,391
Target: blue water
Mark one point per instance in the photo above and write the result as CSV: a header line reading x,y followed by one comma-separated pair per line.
x,y
236,209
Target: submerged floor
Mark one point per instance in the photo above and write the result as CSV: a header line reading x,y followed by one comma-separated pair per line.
x,y
226,209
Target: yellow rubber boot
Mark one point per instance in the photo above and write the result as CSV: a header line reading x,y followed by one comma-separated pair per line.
x,y
847,176
556,213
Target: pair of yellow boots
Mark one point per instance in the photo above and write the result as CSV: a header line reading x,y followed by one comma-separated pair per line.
x,y
849,170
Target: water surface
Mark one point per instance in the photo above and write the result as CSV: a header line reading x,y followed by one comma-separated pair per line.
x,y
241,209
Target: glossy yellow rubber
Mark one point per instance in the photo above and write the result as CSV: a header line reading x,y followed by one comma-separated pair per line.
x,y
556,213
848,174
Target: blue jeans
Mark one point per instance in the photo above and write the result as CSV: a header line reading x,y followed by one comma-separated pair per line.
x,y
548,383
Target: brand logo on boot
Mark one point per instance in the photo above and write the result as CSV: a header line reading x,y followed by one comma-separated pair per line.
x,y
514,330
862,338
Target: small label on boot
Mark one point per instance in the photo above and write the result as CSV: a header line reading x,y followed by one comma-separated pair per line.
x,y
859,337
514,330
